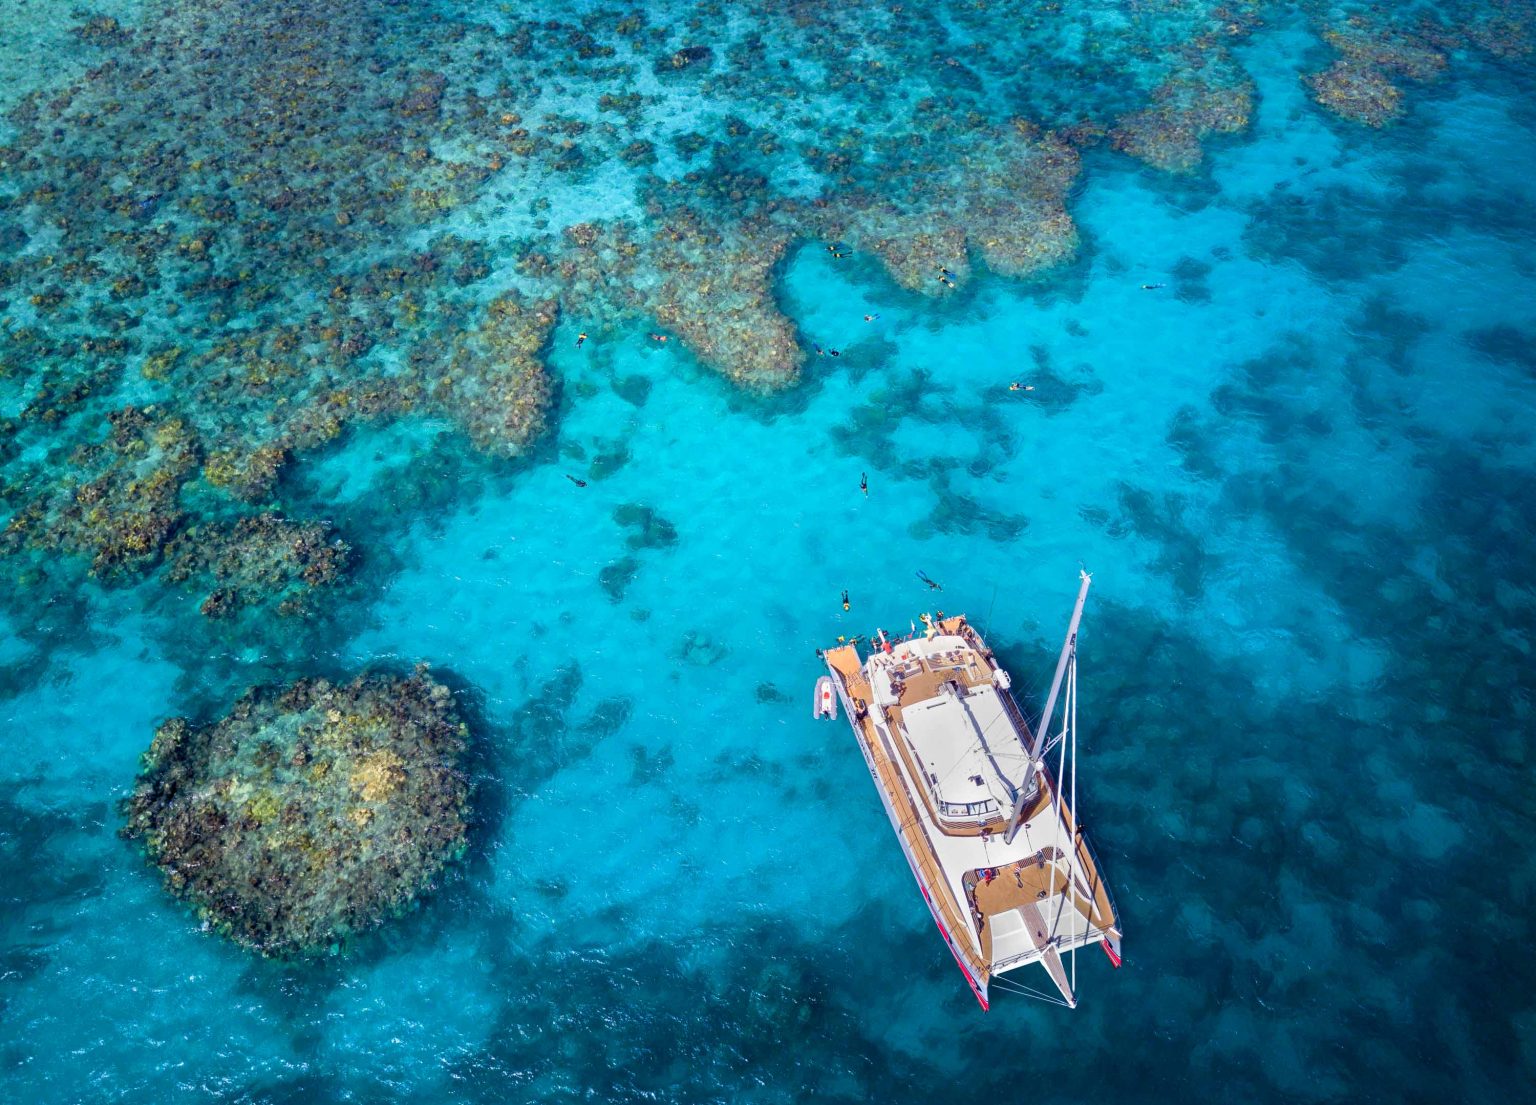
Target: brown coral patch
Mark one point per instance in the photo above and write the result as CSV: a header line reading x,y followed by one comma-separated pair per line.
x,y
1358,91
1360,85
1168,135
121,503
260,560
725,311
491,380
308,814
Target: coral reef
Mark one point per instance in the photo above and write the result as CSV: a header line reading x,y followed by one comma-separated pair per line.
x,y
271,223
1168,135
1359,85
1502,28
490,380
307,814
117,501
998,194
1357,91
256,560
254,218
1384,46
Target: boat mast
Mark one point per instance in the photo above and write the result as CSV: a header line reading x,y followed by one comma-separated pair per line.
x,y
1031,787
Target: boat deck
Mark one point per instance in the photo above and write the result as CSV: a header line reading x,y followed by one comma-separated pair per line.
x,y
1024,885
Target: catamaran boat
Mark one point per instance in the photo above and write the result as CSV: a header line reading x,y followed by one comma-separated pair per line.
x,y
989,829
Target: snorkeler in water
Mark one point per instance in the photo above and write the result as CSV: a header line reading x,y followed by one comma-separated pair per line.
x,y
659,337
846,604
1152,287
1021,387
820,352
870,318
579,339
932,585
573,479
864,483
834,352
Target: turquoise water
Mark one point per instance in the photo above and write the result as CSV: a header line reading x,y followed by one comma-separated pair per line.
x,y
1301,471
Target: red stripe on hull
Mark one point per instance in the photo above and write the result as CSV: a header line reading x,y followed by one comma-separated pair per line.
x,y
949,943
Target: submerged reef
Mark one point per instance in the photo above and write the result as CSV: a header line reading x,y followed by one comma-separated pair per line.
x,y
258,559
119,504
116,501
1385,45
1360,85
248,229
307,814
1168,135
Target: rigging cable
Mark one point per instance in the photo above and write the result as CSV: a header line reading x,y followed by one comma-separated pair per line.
x,y
1061,767
1027,991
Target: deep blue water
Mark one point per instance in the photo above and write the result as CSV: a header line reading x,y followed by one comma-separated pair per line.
x,y
1300,469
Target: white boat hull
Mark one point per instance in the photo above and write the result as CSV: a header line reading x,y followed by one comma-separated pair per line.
x,y
825,702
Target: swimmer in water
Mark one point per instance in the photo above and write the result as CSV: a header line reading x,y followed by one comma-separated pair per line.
x,y
870,318
573,479
820,352
659,337
846,604
1021,387
579,339
1152,287
864,483
834,352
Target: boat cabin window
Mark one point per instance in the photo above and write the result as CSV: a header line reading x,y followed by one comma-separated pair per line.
x,y
967,809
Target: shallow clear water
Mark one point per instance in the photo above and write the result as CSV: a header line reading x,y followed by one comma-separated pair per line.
x,y
1301,473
